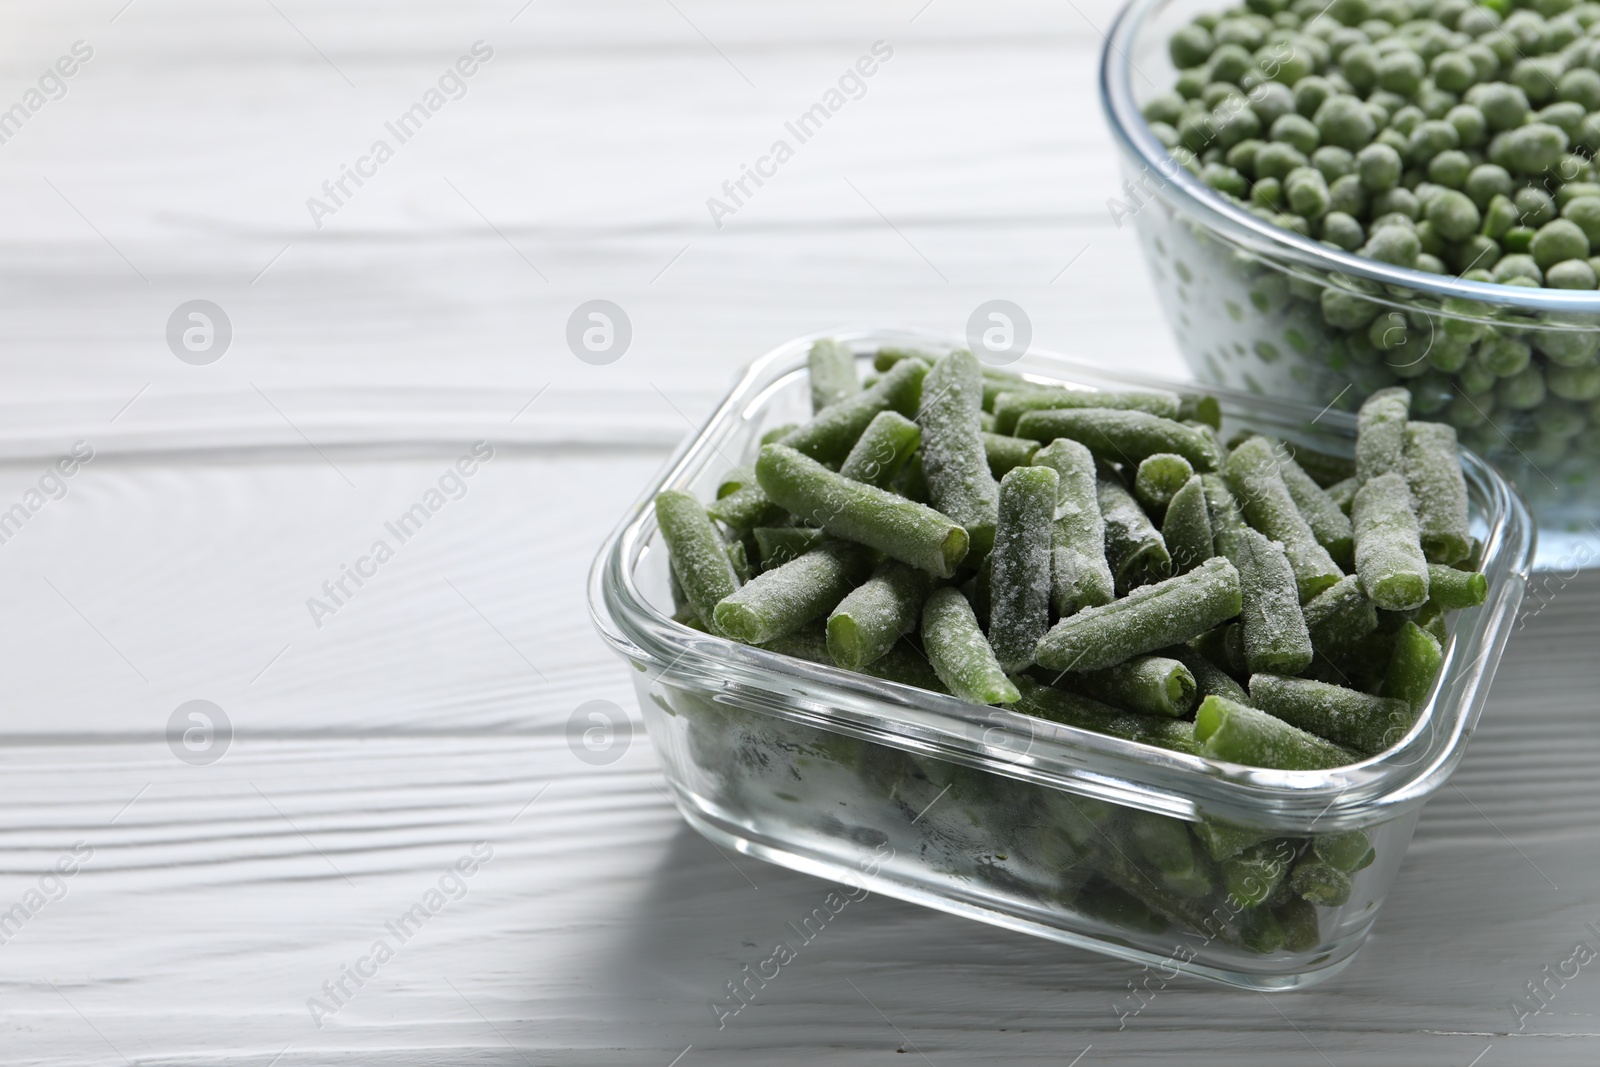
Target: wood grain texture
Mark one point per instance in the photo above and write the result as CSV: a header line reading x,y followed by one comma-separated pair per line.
x,y
429,712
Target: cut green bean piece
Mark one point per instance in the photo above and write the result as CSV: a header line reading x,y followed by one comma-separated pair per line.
x,y
953,458
1339,616
1186,528
1009,407
902,663
1135,551
1150,685
882,449
1071,709
1346,851
785,599
1208,677
1381,433
1150,617
1325,468
1271,626
876,614
1079,575
1224,646
1160,477
907,531
959,652
1320,883
697,552
833,374
1343,494
1125,437
1224,839
778,433
1298,921
745,509
739,556
1019,580
735,480
829,436
1164,843
1227,523
1329,524
1347,717
910,482
780,544
1253,874
1240,734
1005,454
1199,408
1389,559
886,358
1454,590
1253,474
1438,491
1413,667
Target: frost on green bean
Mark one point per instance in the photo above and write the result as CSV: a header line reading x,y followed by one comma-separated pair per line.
x,y
832,371
699,559
1080,576
778,601
953,458
1020,575
960,653
1388,547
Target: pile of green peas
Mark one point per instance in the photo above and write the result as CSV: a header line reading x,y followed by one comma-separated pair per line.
x,y
1448,136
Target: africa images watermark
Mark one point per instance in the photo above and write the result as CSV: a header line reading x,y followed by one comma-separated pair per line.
x,y
52,486
51,888
52,86
1553,979
802,129
452,85
451,887
742,991
452,485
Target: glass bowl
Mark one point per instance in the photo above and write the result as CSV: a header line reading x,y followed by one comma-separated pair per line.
x,y
1265,310
1013,820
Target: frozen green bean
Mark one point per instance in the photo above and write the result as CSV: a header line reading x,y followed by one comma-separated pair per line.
x,y
1186,527
902,663
1454,590
1198,408
1134,551
1009,407
1271,626
1118,436
1438,491
738,478
696,551
829,436
910,482
1150,685
1164,843
909,532
953,459
1348,717
745,509
1339,616
1227,523
1084,713
1150,617
1343,494
1253,474
777,545
833,374
1159,478
1253,874
1080,577
1348,851
1413,666
1224,646
1019,579
1208,677
778,433
1320,883
868,622
1381,433
1223,839
1329,524
1388,551
882,449
959,652
1298,920
1007,453
1324,468
739,556
785,599
1239,734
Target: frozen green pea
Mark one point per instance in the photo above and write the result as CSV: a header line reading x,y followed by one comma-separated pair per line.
x,y
903,529
1450,169
1267,193
777,545
1276,159
1336,713
1413,668
1224,179
1472,130
1020,576
1190,46
832,369
1388,548
868,622
1398,202
1581,86
1393,244
784,599
959,652
1080,577
1271,100
1378,166
1273,630
1432,464
830,435
1522,391
1501,215
882,449
1085,713
1453,214
1307,192
1236,733
1148,618
697,553
1558,240
1380,432
1010,406
1334,162
1255,477
1341,229
1504,106
1345,122
1584,213
1121,436
953,458
1347,196
1297,131
1515,266
1534,205
1135,551
1159,477
1186,527
1570,274
1574,383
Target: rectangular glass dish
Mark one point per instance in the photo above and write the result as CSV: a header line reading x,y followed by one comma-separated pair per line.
x,y
981,811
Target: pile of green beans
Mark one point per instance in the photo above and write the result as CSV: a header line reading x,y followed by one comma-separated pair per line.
x,y
1111,563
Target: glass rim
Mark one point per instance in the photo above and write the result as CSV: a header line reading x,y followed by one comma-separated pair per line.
x,y
1188,194
1056,755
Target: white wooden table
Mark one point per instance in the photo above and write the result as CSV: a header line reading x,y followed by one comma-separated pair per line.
x,y
212,900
